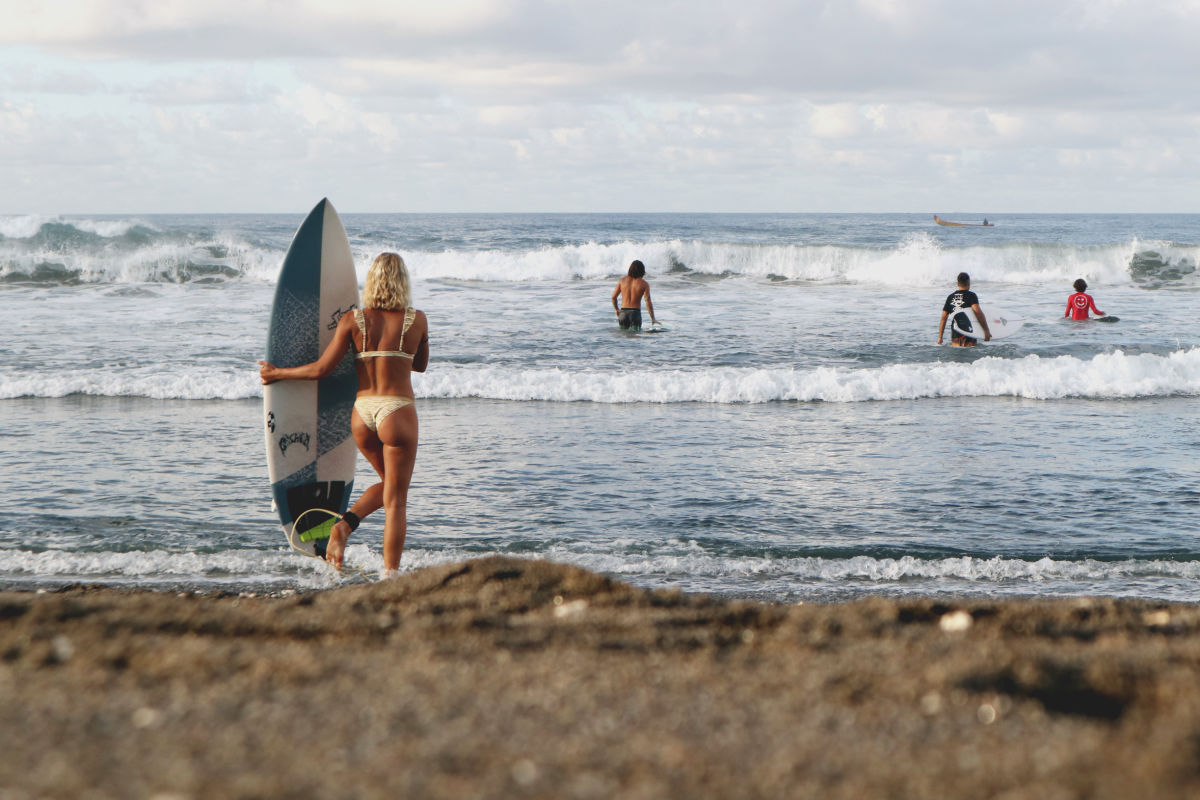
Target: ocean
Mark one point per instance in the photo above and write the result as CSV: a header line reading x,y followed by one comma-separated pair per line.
x,y
794,435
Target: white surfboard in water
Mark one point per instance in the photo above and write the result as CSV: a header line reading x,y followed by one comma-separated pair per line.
x,y
1000,323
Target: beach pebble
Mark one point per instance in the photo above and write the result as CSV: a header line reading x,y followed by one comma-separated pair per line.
x,y
61,650
145,717
1157,618
570,609
524,772
956,621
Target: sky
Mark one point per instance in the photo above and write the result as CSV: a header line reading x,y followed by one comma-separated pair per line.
x,y
939,106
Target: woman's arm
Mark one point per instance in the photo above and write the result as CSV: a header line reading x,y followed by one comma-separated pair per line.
x,y
315,370
421,357
987,334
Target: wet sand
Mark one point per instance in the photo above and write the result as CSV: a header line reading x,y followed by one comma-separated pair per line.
x,y
502,678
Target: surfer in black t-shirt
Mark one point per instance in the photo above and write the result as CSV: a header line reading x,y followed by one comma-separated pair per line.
x,y
956,305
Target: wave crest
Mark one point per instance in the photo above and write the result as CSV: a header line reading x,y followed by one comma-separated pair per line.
x,y
1106,376
58,250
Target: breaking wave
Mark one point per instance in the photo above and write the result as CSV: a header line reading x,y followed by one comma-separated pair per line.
x,y
66,251
1114,375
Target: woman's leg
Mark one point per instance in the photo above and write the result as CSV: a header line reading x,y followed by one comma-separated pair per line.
x,y
398,434
369,501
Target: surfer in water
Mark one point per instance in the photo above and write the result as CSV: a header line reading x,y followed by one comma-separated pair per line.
x,y
956,305
390,340
1080,303
631,289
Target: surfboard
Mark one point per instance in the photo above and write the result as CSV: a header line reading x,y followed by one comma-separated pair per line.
x,y
1000,323
310,451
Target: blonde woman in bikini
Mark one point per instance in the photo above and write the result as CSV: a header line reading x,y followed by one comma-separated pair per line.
x,y
390,340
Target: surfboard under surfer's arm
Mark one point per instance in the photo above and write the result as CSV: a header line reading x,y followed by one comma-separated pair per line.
x,y
987,334
314,370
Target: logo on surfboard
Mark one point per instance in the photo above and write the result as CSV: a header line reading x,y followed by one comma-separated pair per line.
x,y
289,439
337,316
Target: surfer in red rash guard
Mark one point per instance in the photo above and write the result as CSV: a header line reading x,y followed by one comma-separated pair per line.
x,y
1080,303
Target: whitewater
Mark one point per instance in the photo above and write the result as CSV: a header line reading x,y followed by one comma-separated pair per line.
x,y
794,434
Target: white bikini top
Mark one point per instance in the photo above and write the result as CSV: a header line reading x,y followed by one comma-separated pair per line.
x,y
361,319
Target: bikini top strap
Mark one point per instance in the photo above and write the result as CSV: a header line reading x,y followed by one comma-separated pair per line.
x,y
361,319
410,314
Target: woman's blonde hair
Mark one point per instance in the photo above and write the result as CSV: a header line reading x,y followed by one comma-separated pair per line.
x,y
387,286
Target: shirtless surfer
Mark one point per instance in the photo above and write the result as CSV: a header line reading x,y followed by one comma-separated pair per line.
x,y
631,289
957,304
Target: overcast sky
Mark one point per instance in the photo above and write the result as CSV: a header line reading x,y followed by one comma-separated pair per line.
x,y
143,106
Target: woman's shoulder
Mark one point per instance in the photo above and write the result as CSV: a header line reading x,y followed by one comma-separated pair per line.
x,y
396,312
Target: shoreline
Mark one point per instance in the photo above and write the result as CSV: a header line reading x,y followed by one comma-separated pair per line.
x,y
503,677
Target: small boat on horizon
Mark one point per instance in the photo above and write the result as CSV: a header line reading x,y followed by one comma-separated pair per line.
x,y
984,224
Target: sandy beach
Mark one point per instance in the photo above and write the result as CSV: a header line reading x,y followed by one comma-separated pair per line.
x,y
514,678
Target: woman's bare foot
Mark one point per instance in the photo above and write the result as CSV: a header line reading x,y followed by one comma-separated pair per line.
x,y
335,548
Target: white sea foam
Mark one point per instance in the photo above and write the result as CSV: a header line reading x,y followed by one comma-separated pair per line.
x,y
108,228
155,262
28,225
879,570
265,567
195,383
1110,375
918,260
23,226
154,256
1105,376
675,561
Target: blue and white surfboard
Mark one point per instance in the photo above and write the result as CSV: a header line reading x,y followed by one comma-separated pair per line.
x,y
310,451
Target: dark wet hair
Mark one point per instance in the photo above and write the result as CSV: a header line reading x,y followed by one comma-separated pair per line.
x,y
964,279
637,269
1080,285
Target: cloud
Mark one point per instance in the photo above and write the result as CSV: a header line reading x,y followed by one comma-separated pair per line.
x,y
838,121
1017,53
220,85
49,81
184,29
625,105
